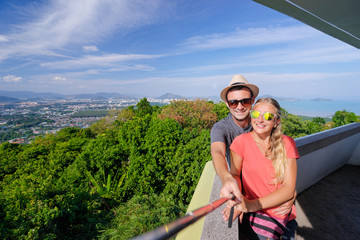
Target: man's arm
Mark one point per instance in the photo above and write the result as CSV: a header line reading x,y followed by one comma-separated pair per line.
x,y
218,153
230,185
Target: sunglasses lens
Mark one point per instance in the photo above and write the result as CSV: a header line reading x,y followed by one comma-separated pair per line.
x,y
233,103
255,114
268,116
246,102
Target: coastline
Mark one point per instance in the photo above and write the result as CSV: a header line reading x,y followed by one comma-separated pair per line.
x,y
313,108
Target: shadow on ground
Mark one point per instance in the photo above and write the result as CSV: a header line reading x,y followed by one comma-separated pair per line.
x,y
330,209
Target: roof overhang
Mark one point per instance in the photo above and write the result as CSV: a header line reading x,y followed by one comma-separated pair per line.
x,y
337,18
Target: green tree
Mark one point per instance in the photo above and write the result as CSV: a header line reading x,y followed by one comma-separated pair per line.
x,y
317,124
292,125
221,110
343,117
126,114
186,168
131,134
143,107
106,123
34,205
9,158
319,120
149,169
104,164
141,214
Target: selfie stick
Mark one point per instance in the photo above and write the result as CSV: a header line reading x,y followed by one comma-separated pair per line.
x,y
168,230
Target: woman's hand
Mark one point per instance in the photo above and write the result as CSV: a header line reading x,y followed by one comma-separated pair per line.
x,y
286,207
240,208
226,213
247,205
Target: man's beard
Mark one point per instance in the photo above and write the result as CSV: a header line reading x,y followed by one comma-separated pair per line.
x,y
243,117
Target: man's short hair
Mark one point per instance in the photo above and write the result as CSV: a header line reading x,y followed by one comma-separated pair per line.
x,y
239,88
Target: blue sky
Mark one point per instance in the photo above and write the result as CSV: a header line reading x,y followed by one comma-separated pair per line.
x,y
185,47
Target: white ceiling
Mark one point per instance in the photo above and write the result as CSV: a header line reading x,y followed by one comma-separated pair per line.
x,y
337,18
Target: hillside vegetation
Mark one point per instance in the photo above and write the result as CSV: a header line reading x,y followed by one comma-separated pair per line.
x,y
127,174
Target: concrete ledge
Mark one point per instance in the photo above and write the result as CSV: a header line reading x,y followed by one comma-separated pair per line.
x,y
214,225
324,152
200,198
316,141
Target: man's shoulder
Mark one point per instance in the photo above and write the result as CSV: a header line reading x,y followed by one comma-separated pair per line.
x,y
222,128
227,121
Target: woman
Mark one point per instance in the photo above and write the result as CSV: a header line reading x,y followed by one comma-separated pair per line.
x,y
266,161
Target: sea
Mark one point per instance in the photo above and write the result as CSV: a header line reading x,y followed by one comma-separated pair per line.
x,y
320,108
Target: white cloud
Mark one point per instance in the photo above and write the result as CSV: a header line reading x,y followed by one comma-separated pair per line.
x,y
3,38
92,60
64,22
90,48
59,79
303,85
138,67
249,37
11,78
321,54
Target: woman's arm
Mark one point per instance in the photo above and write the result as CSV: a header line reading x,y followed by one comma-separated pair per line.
x,y
286,207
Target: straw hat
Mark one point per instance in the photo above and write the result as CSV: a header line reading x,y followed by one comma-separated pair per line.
x,y
239,80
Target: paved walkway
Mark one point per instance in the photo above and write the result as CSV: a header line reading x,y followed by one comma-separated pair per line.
x,y
331,208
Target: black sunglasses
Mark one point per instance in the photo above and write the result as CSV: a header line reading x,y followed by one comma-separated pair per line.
x,y
246,102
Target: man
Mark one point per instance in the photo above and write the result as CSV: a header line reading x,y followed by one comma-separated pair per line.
x,y
239,97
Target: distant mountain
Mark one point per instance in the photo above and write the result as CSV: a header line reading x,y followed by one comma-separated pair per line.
x,y
48,95
30,95
87,96
170,96
112,95
321,100
4,99
100,95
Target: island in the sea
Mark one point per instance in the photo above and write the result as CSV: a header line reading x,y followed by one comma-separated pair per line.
x,y
321,100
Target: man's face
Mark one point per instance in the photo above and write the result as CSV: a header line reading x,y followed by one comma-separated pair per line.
x,y
239,112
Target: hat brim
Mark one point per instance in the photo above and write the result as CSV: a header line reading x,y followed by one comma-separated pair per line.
x,y
253,88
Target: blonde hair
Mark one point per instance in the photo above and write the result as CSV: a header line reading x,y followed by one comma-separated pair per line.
x,y
276,149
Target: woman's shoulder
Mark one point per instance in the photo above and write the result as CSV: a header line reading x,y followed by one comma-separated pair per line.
x,y
288,139
290,147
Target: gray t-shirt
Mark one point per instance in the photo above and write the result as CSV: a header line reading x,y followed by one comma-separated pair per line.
x,y
226,130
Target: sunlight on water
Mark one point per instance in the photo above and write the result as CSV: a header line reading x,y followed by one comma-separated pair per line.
x,y
320,108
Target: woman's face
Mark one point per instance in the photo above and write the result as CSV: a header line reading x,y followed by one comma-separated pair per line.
x,y
264,118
